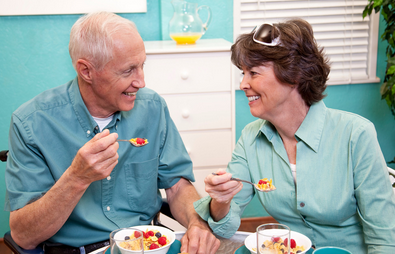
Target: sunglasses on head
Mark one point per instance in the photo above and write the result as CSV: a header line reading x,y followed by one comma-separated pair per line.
x,y
265,35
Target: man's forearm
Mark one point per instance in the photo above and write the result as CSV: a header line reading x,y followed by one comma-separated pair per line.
x,y
40,220
181,197
198,238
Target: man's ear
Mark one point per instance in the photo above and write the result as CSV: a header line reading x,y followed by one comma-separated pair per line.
x,y
84,70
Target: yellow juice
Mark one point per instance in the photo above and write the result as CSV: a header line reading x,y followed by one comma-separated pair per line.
x,y
186,38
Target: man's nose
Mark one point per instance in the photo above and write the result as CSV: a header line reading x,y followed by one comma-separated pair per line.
x,y
139,82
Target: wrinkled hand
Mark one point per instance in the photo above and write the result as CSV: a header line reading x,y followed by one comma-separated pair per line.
x,y
221,188
199,240
96,159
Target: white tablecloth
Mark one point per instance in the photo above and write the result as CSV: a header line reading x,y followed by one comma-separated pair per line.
x,y
227,246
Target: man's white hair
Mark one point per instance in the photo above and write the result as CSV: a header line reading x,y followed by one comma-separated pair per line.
x,y
91,37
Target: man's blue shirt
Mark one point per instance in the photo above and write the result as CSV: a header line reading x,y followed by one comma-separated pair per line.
x,y
45,135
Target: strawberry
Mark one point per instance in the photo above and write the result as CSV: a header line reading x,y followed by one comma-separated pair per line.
x,y
293,244
151,233
275,239
162,240
137,234
140,141
262,182
153,246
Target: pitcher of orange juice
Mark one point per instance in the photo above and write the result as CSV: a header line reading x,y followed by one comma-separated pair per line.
x,y
185,26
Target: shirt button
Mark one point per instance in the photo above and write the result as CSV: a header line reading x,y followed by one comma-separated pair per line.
x,y
88,132
108,208
302,204
108,178
96,128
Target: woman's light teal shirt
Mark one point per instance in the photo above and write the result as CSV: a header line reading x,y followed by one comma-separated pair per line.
x,y
343,195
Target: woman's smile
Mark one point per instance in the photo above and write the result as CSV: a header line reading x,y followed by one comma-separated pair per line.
x,y
253,98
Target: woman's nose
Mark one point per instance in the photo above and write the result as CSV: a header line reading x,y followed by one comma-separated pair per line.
x,y
244,83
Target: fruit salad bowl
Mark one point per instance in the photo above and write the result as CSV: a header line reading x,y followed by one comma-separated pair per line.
x,y
155,243
297,239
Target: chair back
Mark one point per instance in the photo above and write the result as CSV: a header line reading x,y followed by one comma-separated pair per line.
x,y
3,155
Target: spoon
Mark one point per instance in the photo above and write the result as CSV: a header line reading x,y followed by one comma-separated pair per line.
x,y
253,184
138,142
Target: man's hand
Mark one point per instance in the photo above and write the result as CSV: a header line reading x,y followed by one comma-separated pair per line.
x,y
96,159
199,239
40,220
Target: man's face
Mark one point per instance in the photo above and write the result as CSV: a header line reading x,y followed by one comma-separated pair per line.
x,y
114,88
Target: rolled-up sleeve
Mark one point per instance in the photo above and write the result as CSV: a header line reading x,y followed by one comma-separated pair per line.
x,y
27,176
227,226
174,160
376,202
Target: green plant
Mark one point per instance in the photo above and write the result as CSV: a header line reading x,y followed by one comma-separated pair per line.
x,y
387,8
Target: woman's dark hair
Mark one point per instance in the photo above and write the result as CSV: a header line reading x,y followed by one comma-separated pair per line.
x,y
297,60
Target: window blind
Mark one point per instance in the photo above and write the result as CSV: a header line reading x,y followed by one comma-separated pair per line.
x,y
349,41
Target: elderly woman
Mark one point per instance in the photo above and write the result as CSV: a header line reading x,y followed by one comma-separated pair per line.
x,y
330,174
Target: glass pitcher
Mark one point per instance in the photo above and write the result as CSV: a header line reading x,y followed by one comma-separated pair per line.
x,y
185,26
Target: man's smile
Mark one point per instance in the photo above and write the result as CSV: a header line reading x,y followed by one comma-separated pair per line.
x,y
130,94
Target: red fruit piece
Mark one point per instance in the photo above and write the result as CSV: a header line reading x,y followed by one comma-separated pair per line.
x,y
153,246
145,234
137,234
151,233
293,244
140,141
162,240
275,239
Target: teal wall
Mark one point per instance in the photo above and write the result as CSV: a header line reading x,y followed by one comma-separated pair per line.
x,y
34,57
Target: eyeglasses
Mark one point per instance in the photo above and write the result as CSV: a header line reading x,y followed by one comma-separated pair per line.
x,y
265,35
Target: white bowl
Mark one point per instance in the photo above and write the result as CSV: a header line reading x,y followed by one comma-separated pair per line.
x,y
250,241
164,231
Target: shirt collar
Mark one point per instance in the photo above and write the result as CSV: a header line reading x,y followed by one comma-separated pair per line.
x,y
310,131
85,119
267,129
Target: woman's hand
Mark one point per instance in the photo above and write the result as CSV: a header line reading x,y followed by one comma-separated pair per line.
x,y
221,190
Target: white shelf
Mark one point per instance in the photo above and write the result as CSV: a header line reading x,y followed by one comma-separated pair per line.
x,y
203,45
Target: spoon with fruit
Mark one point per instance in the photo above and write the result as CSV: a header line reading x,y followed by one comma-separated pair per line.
x,y
138,142
263,185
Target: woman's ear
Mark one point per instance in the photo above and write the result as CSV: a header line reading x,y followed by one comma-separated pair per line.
x,y
84,70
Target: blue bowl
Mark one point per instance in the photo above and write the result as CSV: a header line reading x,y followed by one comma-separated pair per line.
x,y
331,250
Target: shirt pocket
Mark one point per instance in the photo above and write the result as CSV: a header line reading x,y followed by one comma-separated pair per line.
x,y
142,186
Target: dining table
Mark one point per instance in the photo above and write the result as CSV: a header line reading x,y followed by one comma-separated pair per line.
x,y
233,245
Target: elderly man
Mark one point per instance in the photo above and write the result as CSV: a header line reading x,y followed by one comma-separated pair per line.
x,y
69,182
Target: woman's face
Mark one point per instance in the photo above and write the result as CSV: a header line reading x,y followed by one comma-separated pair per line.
x,y
266,95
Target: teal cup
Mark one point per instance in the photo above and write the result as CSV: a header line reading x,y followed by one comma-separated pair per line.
x,y
331,250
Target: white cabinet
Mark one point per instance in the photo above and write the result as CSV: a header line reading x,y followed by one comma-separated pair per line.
x,y
196,82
